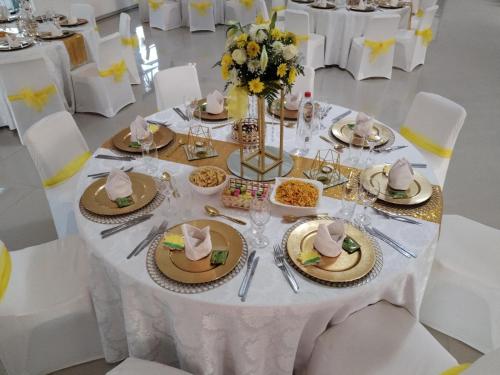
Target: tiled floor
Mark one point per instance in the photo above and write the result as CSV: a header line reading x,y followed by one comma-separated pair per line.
x,y
462,64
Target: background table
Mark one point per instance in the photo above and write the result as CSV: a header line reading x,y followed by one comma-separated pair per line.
x,y
274,331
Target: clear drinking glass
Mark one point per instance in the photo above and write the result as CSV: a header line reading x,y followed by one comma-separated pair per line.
x,y
368,197
150,158
191,105
349,190
372,140
164,188
260,213
181,201
354,151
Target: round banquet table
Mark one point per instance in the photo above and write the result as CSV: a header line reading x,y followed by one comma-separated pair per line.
x,y
340,26
213,332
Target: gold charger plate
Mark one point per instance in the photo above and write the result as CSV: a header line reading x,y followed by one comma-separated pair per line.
x,y
95,199
204,115
419,191
162,138
79,22
289,114
344,268
175,265
49,36
343,132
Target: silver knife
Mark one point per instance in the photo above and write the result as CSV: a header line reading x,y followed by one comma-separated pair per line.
x,y
341,116
110,157
150,234
108,232
387,242
180,113
389,149
393,243
397,217
149,239
247,273
160,123
252,272
418,165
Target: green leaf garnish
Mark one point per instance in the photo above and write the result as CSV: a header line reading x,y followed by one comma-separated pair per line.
x,y
350,245
219,257
124,202
134,145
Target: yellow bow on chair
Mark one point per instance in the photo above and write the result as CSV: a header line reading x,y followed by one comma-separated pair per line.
x,y
426,35
201,7
425,143
5,269
155,4
379,48
116,70
420,13
247,4
301,38
36,100
67,171
130,42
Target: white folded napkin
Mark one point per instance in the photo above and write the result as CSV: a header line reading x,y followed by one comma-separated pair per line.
x,y
322,3
292,102
138,129
401,175
12,40
329,238
197,242
361,4
118,185
215,102
364,125
72,20
4,12
54,30
394,3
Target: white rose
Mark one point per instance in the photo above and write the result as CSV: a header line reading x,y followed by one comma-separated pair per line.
x,y
233,76
260,36
289,52
239,56
253,65
277,46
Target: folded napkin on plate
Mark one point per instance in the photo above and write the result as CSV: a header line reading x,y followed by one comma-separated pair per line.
x,y
4,12
54,30
329,238
197,242
72,20
401,175
361,4
364,125
322,3
394,3
215,102
138,129
12,40
118,185
292,102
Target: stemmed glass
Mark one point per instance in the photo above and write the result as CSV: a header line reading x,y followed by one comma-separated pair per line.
x,y
372,140
349,190
368,197
354,151
260,213
191,104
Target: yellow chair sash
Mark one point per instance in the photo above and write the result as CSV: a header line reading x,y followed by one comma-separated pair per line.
x,y
5,270
68,170
278,8
425,143
247,4
155,5
130,42
379,48
116,70
456,370
201,7
420,13
36,100
426,35
301,38
237,102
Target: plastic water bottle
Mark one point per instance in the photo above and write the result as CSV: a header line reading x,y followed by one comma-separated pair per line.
x,y
304,125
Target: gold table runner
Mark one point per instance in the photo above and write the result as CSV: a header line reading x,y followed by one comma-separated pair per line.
x,y
432,210
75,45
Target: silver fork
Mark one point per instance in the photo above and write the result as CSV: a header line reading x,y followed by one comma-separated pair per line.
x,y
279,260
161,229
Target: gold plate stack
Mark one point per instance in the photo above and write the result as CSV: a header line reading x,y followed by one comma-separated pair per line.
x,y
162,137
95,199
344,268
174,264
343,132
205,116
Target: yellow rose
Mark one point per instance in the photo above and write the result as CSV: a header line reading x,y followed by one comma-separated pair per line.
x,y
241,40
256,86
226,60
292,75
225,72
253,49
276,33
281,72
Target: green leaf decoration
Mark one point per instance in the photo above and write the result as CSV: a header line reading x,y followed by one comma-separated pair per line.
x,y
350,245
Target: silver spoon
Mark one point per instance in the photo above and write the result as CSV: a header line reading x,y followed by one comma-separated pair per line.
x,y
212,211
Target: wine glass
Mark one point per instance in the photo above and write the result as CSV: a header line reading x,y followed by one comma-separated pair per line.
x,y
368,197
150,157
190,104
372,140
354,151
349,190
260,213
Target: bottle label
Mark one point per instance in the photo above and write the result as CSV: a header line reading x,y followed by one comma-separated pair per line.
x,y
308,112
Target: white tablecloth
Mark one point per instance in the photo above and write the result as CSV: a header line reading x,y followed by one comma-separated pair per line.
x,y
274,331
340,26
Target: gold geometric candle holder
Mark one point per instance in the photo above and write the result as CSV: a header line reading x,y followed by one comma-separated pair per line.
x,y
199,143
326,168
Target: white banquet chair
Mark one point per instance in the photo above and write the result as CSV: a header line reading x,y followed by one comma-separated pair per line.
x,y
104,87
411,45
85,11
59,152
372,55
381,339
462,298
175,84
201,15
432,125
164,14
41,7
135,366
245,11
47,318
313,47
30,92
130,44
420,10
304,82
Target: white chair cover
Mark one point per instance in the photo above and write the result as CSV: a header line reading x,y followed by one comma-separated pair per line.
x,y
201,20
103,95
30,74
410,49
174,84
143,11
53,143
129,49
167,16
85,11
422,6
47,319
488,364
312,49
381,339
462,298
380,28
236,10
135,366
40,7
433,124
304,83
